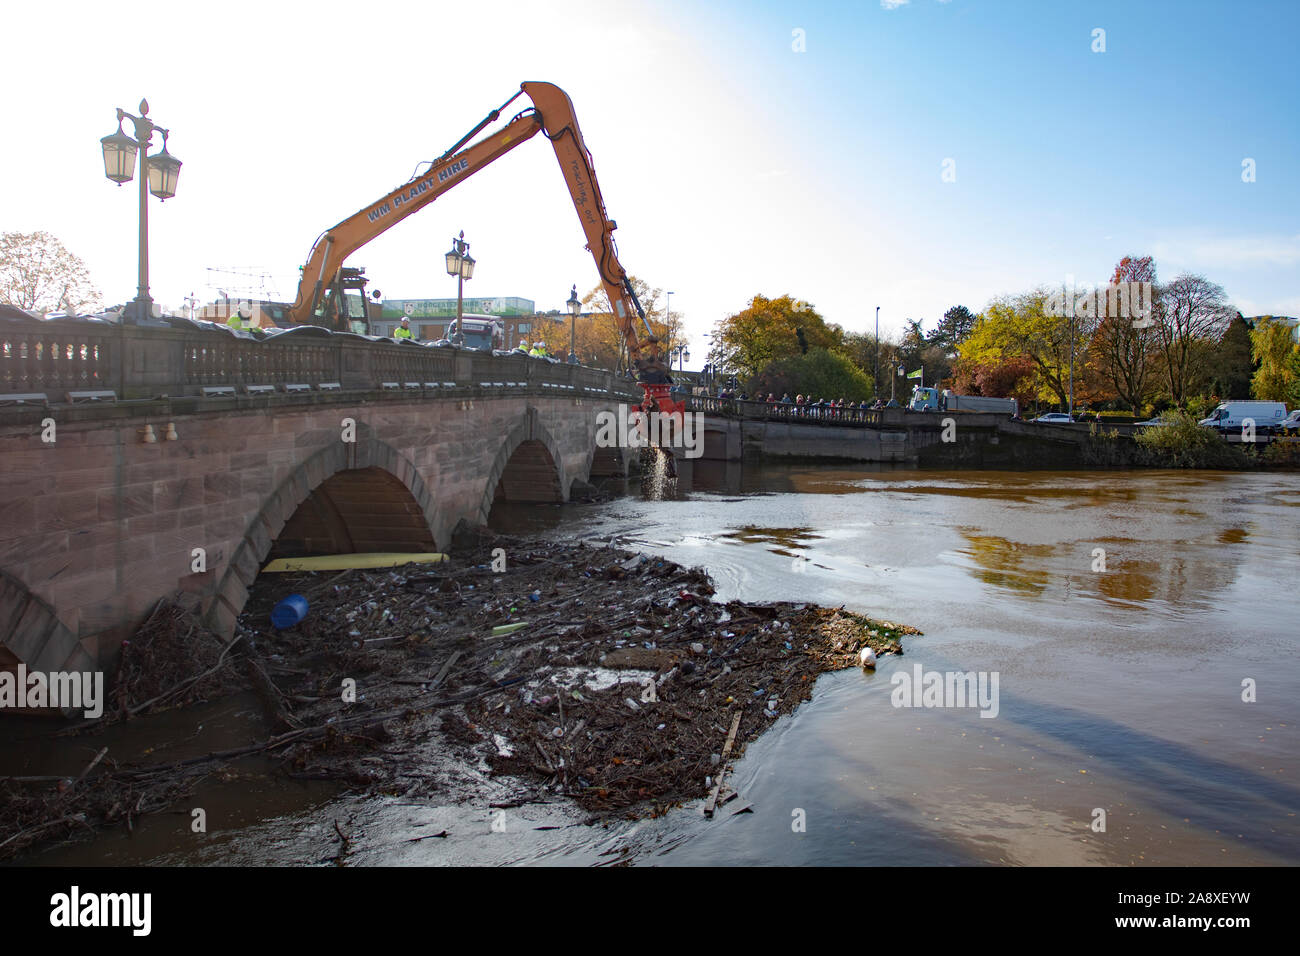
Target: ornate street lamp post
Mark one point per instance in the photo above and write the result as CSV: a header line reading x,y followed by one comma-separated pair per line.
x,y
574,307
461,265
158,175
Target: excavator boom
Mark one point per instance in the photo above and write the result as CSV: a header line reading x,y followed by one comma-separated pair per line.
x,y
552,114
336,244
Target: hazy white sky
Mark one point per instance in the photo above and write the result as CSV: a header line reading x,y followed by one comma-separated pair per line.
x,y
733,163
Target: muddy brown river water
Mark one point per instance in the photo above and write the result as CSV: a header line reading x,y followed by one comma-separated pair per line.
x,y
1119,692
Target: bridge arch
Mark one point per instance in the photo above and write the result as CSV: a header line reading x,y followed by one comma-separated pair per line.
x,y
607,461
528,467
34,635
316,503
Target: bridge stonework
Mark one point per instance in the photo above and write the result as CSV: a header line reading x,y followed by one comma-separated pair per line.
x,y
98,525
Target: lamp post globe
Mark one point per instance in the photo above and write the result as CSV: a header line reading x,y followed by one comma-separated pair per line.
x,y
164,170
119,156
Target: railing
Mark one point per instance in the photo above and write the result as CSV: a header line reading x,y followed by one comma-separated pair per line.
x,y
142,362
777,411
38,359
410,363
214,361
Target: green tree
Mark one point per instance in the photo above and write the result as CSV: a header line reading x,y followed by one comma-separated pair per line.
x,y
1293,363
953,329
930,353
38,273
1273,344
767,330
1233,363
861,349
821,373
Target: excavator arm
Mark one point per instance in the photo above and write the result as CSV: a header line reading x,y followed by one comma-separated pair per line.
x,y
561,126
337,243
552,114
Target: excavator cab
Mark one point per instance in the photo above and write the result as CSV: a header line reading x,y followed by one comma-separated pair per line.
x,y
335,308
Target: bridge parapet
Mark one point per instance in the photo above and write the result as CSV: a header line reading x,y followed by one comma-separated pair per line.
x,y
804,414
55,357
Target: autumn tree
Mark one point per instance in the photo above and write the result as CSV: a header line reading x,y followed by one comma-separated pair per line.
x,y
1273,346
599,340
1293,364
1022,327
1005,378
1192,310
38,273
767,330
1124,349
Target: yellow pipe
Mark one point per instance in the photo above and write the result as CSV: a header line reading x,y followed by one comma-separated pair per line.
x,y
344,562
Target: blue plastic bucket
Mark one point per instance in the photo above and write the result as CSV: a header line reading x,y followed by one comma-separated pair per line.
x,y
289,612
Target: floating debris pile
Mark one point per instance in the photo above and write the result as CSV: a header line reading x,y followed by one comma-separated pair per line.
x,y
607,676
574,669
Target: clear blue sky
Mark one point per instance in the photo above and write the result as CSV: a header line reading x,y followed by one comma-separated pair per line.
x,y
733,164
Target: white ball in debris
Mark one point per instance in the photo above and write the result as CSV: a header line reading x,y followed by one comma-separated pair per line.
x,y
867,657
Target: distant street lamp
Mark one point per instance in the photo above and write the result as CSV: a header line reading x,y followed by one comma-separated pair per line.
x,y
461,265
1070,410
574,308
159,173
875,371
896,371
681,353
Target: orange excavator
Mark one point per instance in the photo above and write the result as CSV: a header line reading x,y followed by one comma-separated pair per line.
x,y
552,114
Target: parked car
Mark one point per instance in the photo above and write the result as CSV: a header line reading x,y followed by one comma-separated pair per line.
x,y
1153,421
1054,418
1290,424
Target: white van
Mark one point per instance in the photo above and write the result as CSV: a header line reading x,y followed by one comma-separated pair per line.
x,y
1232,416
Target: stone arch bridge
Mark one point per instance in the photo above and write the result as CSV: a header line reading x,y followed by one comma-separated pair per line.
x,y
124,449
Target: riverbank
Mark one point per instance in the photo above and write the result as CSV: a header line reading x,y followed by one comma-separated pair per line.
x,y
571,671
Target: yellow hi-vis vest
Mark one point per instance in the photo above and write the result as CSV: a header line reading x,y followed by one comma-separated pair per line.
x,y
235,322
401,333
